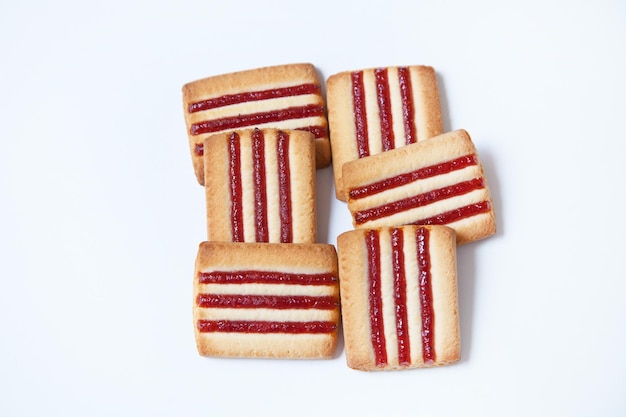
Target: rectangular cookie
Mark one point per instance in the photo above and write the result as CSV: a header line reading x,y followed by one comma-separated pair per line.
x,y
260,186
378,109
266,300
282,97
437,181
399,297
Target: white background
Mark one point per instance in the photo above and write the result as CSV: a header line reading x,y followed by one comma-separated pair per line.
x,y
101,215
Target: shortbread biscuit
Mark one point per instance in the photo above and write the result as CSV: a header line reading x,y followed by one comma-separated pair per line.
x,y
266,300
282,97
375,110
260,186
399,297
437,181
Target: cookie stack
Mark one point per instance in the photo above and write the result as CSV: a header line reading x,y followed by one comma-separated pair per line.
x,y
263,287
414,193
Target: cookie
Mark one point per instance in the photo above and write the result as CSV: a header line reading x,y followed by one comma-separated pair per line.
x,y
399,297
260,186
379,109
282,97
266,300
437,181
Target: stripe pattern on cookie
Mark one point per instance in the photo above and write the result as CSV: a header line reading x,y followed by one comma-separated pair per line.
x,y
260,186
399,297
379,109
266,300
437,181
282,97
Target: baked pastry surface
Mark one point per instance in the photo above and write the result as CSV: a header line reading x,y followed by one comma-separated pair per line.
x,y
378,109
266,300
399,297
437,181
282,97
260,186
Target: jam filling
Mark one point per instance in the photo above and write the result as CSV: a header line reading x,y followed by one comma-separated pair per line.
x,y
284,187
318,131
265,277
230,99
426,295
245,326
198,149
419,200
247,301
375,298
399,284
424,278
384,108
457,214
360,116
277,302
408,177
385,113
408,107
253,119
260,189
236,210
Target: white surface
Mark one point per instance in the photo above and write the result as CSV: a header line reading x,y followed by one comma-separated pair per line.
x,y
101,215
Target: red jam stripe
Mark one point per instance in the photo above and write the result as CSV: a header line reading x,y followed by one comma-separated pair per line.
x,y
284,187
265,277
408,107
260,189
360,116
419,174
230,99
244,326
399,284
236,210
426,295
384,109
318,131
372,240
199,149
252,119
266,301
419,200
457,214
